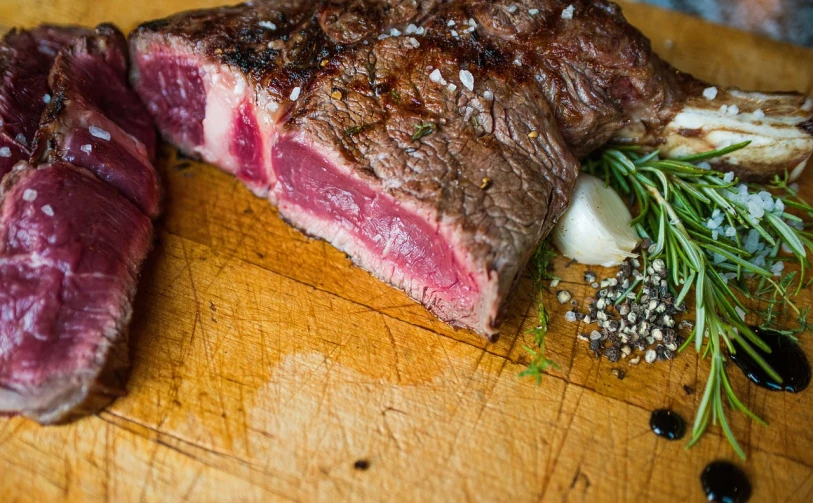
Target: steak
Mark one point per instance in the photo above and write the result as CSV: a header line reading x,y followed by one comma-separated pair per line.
x,y
74,232
26,58
435,142
102,128
440,189
69,273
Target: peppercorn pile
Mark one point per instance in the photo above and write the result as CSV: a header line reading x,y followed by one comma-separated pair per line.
x,y
634,311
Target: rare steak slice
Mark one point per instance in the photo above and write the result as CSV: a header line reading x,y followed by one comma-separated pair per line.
x,y
26,57
104,128
436,170
71,249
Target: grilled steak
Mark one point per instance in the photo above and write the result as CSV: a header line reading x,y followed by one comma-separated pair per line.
x,y
434,187
435,142
70,251
73,237
26,58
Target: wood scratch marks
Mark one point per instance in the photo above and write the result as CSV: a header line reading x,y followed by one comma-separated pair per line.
x,y
396,361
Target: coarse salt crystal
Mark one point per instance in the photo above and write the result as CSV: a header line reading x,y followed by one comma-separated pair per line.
x,y
712,224
777,268
729,177
472,22
779,206
268,25
488,95
710,93
437,77
48,210
87,148
467,79
29,195
568,12
395,32
451,87
451,23
759,114
533,12
295,93
733,110
455,34
730,231
99,133
513,8
808,104
751,241
704,165
412,42
20,138
5,152
728,276
420,31
383,36
724,109
46,99
570,316
740,312
756,209
411,29
518,62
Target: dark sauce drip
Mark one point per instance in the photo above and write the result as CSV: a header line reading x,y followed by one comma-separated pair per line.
x,y
787,358
667,424
724,482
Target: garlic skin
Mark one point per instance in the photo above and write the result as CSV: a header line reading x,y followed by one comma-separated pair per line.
x,y
595,229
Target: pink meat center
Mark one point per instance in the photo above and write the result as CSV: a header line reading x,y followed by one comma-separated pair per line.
x,y
382,235
392,235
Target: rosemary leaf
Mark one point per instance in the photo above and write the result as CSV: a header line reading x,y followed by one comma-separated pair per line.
x,y
423,129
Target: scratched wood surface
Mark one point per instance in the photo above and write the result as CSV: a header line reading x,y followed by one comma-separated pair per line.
x,y
265,365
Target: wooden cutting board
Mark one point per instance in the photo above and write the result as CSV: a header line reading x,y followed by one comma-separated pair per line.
x,y
265,365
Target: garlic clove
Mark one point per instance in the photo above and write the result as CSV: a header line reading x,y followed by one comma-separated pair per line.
x,y
595,229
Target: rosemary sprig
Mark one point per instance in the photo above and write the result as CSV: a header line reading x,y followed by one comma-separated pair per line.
x,y
540,265
721,240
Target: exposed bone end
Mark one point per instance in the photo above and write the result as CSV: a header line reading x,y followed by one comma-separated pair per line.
x,y
777,125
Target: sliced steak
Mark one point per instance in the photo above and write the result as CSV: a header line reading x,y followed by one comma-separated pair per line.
x,y
104,128
73,238
71,249
26,57
440,189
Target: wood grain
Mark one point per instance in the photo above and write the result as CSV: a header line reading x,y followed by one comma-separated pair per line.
x,y
265,365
